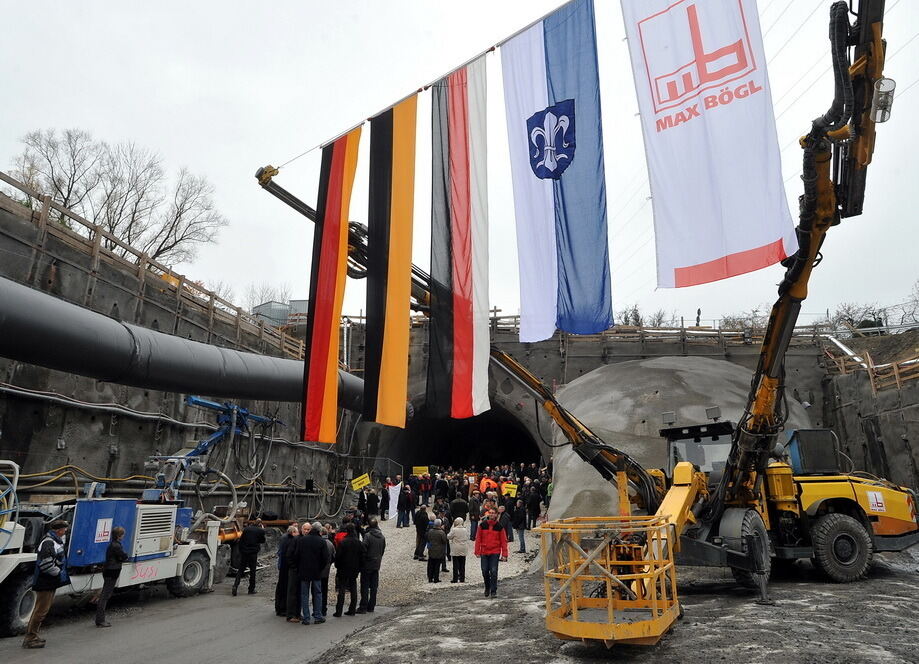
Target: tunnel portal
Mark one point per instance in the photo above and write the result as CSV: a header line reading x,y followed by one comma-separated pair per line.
x,y
494,437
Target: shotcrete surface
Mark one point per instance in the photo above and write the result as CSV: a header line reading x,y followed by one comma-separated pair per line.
x,y
623,403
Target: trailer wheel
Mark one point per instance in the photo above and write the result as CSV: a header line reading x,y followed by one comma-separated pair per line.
x,y
192,578
16,603
842,547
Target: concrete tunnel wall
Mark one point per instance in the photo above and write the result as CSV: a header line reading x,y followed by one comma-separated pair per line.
x,y
556,361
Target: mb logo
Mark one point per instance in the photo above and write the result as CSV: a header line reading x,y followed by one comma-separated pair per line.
x,y
694,46
550,134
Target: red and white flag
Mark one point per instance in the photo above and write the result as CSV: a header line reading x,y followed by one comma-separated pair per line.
x,y
709,129
457,381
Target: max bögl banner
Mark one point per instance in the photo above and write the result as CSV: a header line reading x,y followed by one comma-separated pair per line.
x,y
713,157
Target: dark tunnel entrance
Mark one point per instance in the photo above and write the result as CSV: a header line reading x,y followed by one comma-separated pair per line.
x,y
494,437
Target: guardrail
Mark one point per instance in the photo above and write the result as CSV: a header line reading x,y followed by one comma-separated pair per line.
x,y
103,246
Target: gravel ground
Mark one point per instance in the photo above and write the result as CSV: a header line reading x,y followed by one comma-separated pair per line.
x,y
813,621
404,581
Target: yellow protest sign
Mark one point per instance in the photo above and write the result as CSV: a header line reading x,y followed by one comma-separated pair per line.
x,y
359,483
510,489
419,470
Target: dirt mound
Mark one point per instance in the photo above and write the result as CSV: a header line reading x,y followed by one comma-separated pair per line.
x,y
888,348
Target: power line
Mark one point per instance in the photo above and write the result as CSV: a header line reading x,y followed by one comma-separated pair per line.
x,y
797,30
629,200
766,8
801,78
778,18
908,87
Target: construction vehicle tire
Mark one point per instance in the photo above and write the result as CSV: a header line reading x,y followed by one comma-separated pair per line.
x,y
193,576
16,603
842,547
747,523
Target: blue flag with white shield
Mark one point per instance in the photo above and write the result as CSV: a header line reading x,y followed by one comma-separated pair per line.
x,y
552,103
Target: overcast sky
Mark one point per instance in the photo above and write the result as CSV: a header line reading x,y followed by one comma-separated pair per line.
x,y
224,88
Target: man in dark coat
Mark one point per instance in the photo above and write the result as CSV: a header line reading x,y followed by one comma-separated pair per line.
x,y
441,488
519,524
348,561
475,507
292,604
374,547
414,483
405,506
437,550
534,507
459,508
422,519
373,504
49,576
312,555
111,570
504,520
280,588
250,543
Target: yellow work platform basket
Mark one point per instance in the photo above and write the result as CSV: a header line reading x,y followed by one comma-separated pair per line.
x,y
610,579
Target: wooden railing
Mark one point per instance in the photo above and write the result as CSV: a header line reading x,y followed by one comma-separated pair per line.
x,y
882,376
101,245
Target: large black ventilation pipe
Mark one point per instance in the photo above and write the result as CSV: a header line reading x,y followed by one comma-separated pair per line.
x,y
41,329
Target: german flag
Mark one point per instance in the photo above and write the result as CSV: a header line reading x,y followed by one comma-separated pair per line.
x,y
389,262
327,288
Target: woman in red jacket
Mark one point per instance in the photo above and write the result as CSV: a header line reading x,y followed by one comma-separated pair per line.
x,y
490,547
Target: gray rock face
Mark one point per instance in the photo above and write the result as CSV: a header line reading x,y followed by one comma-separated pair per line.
x,y
623,403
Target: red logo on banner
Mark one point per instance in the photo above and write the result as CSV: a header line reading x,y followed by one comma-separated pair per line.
x,y
683,65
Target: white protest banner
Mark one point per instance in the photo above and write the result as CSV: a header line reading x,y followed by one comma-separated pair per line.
x,y
709,130
394,492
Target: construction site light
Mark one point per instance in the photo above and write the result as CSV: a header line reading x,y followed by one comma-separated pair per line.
x,y
882,101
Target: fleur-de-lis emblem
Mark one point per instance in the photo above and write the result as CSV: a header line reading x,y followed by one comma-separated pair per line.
x,y
551,137
553,130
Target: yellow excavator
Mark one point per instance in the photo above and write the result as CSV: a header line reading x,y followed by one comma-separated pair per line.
x,y
734,495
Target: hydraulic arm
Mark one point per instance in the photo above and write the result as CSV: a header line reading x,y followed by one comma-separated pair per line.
x,y
837,150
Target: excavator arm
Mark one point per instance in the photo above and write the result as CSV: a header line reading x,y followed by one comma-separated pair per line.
x,y
607,460
836,153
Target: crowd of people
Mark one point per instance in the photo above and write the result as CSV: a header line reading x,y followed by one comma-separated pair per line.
x,y
454,512
306,554
499,504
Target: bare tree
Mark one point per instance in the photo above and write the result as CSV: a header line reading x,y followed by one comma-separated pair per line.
x,y
123,189
854,315
755,318
130,192
259,293
190,219
906,312
25,170
660,318
630,315
64,166
221,289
